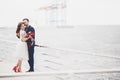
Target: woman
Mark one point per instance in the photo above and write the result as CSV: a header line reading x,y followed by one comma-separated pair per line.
x,y
22,49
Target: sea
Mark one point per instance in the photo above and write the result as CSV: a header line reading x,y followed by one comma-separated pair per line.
x,y
66,48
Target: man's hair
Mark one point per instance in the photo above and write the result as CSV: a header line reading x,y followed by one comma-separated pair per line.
x,y
26,19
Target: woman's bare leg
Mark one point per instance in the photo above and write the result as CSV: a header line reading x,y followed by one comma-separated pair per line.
x,y
20,64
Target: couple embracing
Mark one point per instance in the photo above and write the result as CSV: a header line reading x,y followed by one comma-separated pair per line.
x,y
25,46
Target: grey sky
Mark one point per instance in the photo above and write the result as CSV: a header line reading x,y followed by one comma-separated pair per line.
x,y
12,11
103,12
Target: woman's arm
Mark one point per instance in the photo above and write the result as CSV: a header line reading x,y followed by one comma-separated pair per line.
x,y
18,35
24,37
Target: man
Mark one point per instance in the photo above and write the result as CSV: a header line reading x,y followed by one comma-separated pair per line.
x,y
30,43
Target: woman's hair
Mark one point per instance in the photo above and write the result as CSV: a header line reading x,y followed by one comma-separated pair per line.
x,y
18,29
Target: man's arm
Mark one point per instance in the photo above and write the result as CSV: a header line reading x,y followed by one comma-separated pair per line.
x,y
33,31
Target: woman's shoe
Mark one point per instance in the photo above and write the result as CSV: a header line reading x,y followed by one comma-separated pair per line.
x,y
14,68
19,69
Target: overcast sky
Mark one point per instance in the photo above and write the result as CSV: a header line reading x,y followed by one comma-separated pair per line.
x,y
99,12
79,12
12,11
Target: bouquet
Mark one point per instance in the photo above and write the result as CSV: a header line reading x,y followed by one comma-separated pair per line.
x,y
32,40
30,34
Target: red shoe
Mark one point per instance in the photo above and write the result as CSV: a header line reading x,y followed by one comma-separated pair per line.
x,y
19,70
14,68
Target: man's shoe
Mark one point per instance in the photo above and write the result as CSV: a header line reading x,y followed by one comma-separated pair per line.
x,y
30,71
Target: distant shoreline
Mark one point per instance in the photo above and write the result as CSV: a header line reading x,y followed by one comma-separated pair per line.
x,y
6,27
65,26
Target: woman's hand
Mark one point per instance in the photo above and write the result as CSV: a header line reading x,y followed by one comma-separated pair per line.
x,y
24,39
30,37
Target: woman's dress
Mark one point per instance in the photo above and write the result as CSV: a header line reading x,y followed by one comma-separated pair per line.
x,y
22,48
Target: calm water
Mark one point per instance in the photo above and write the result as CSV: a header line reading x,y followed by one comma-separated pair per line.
x,y
100,40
